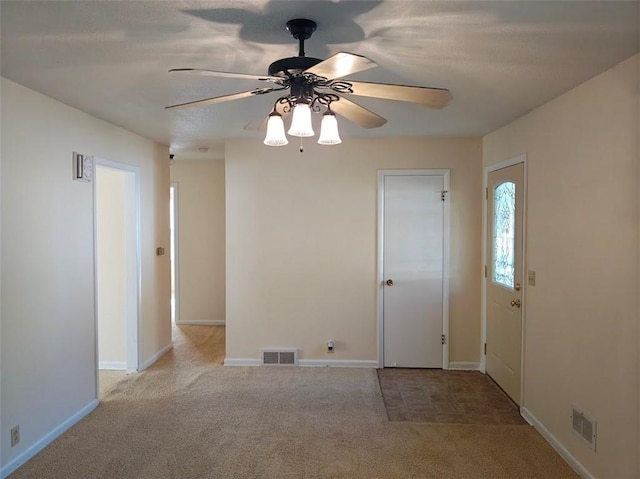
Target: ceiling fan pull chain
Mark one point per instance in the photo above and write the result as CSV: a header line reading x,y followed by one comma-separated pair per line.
x,y
301,147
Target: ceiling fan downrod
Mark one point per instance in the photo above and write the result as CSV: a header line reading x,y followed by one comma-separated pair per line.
x,y
301,29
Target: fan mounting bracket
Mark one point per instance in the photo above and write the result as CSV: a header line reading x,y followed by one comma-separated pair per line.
x,y
301,29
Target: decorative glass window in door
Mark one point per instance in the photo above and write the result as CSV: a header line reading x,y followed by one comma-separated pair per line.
x,y
504,238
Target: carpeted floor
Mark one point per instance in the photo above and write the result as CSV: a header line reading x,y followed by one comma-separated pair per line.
x,y
189,417
108,380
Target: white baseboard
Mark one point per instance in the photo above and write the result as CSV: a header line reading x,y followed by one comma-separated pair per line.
x,y
557,445
337,363
113,365
155,357
202,322
461,366
313,363
47,439
242,362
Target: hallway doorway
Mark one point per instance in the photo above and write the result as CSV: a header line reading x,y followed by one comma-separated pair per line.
x,y
117,276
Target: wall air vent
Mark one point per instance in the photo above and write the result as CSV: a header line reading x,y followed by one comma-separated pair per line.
x,y
279,357
584,427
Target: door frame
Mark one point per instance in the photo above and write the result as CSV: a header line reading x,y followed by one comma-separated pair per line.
x,y
445,173
176,267
133,284
485,182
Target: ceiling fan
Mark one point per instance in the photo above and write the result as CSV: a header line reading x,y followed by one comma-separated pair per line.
x,y
312,85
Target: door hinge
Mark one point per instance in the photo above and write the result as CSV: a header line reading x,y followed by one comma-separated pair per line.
x,y
486,193
444,339
485,270
485,349
444,195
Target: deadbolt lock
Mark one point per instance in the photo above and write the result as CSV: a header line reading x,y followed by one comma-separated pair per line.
x,y
517,287
389,282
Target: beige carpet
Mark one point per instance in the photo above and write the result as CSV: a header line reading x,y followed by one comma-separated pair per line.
x,y
189,417
108,379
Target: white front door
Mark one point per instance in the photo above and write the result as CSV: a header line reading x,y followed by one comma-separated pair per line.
x,y
505,188
413,258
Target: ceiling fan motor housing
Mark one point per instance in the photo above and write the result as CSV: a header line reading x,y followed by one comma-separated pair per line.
x,y
292,66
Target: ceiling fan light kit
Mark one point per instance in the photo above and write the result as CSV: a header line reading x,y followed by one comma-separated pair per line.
x,y
275,131
316,86
329,129
301,121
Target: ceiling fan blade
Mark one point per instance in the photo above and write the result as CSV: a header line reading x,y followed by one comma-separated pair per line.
x,y
255,126
340,65
425,96
220,99
357,114
213,73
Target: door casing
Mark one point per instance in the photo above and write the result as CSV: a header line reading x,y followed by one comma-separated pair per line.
x,y
483,359
176,268
446,255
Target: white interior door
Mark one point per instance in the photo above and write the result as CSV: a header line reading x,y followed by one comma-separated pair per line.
x,y
505,188
413,270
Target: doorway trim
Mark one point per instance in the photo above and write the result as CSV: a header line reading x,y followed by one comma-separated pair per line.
x,y
485,182
133,284
445,256
176,268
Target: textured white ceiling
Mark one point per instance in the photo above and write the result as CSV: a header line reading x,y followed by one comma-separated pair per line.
x,y
499,59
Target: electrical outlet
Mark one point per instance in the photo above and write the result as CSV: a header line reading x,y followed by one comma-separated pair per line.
x,y
15,435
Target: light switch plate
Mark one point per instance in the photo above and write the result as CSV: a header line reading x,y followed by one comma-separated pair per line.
x,y
532,278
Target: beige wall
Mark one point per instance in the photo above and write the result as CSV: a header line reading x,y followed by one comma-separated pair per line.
x,y
301,244
111,267
48,349
201,240
581,339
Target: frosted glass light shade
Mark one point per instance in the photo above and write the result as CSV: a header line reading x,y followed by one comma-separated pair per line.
x,y
329,130
301,121
275,131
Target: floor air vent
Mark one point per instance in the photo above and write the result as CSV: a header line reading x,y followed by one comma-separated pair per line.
x,y
584,427
280,357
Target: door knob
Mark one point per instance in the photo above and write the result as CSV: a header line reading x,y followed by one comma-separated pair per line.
x,y
389,282
515,302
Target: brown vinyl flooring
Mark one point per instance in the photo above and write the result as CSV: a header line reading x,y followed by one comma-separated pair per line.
x,y
439,396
